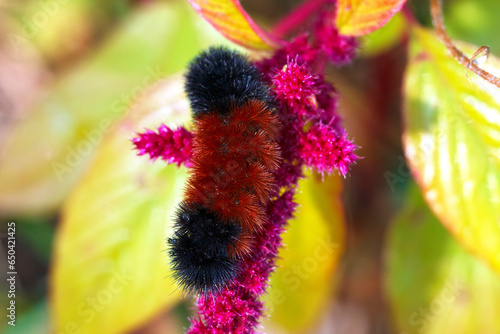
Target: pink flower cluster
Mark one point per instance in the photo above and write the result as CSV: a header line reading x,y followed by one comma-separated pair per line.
x,y
172,146
339,49
306,99
294,85
325,150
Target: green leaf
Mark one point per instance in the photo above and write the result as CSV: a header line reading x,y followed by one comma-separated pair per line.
x,y
33,321
49,150
38,234
304,281
452,143
435,286
111,269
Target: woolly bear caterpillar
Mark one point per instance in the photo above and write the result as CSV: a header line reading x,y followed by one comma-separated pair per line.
x,y
235,153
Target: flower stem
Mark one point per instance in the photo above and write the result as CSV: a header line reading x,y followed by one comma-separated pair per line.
x,y
296,17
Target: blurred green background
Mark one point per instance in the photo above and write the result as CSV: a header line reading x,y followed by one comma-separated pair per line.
x,y
78,78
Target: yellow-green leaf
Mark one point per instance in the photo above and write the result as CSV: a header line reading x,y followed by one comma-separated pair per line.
x,y
305,278
231,20
110,270
47,152
360,17
40,22
435,286
452,143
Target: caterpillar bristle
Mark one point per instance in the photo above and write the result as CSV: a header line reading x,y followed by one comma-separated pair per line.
x,y
199,250
234,155
218,78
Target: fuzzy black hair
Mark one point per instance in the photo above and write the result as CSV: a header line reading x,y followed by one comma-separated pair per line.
x,y
199,250
219,79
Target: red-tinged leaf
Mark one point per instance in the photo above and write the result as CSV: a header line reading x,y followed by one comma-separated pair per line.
x,y
358,17
231,20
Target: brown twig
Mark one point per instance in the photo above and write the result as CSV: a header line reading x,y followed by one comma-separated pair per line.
x,y
437,20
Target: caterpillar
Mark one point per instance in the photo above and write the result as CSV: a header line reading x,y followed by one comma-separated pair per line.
x,y
230,181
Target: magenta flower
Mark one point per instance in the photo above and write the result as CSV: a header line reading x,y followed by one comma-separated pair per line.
x,y
299,46
325,151
339,49
294,85
173,146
